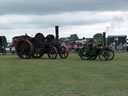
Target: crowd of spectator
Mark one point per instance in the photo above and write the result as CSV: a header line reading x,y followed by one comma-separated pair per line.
x,y
10,49
73,46
119,47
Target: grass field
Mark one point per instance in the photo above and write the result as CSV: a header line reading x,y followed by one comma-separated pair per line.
x,y
70,77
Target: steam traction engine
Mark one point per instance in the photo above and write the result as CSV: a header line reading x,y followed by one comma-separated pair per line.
x,y
35,47
96,48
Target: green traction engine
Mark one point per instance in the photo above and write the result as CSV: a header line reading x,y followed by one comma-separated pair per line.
x,y
96,47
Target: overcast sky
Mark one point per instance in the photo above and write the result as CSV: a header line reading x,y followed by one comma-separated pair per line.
x,y
82,17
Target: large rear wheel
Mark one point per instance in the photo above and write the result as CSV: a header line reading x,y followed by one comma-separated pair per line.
x,y
104,56
24,49
84,54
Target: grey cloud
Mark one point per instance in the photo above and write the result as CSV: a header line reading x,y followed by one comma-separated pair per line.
x,y
44,24
47,21
57,6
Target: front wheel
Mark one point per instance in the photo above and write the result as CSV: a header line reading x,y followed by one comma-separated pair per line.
x,y
63,52
111,55
52,53
104,56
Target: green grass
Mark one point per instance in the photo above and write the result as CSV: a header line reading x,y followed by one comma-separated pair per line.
x,y
70,77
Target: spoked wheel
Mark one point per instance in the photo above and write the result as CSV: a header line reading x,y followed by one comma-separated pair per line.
x,y
63,52
52,54
84,54
111,55
104,56
24,49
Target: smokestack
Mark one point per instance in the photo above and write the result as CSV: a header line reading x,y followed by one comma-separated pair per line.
x,y
104,36
57,32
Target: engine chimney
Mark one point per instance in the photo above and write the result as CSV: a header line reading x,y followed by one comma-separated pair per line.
x,y
57,32
104,36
